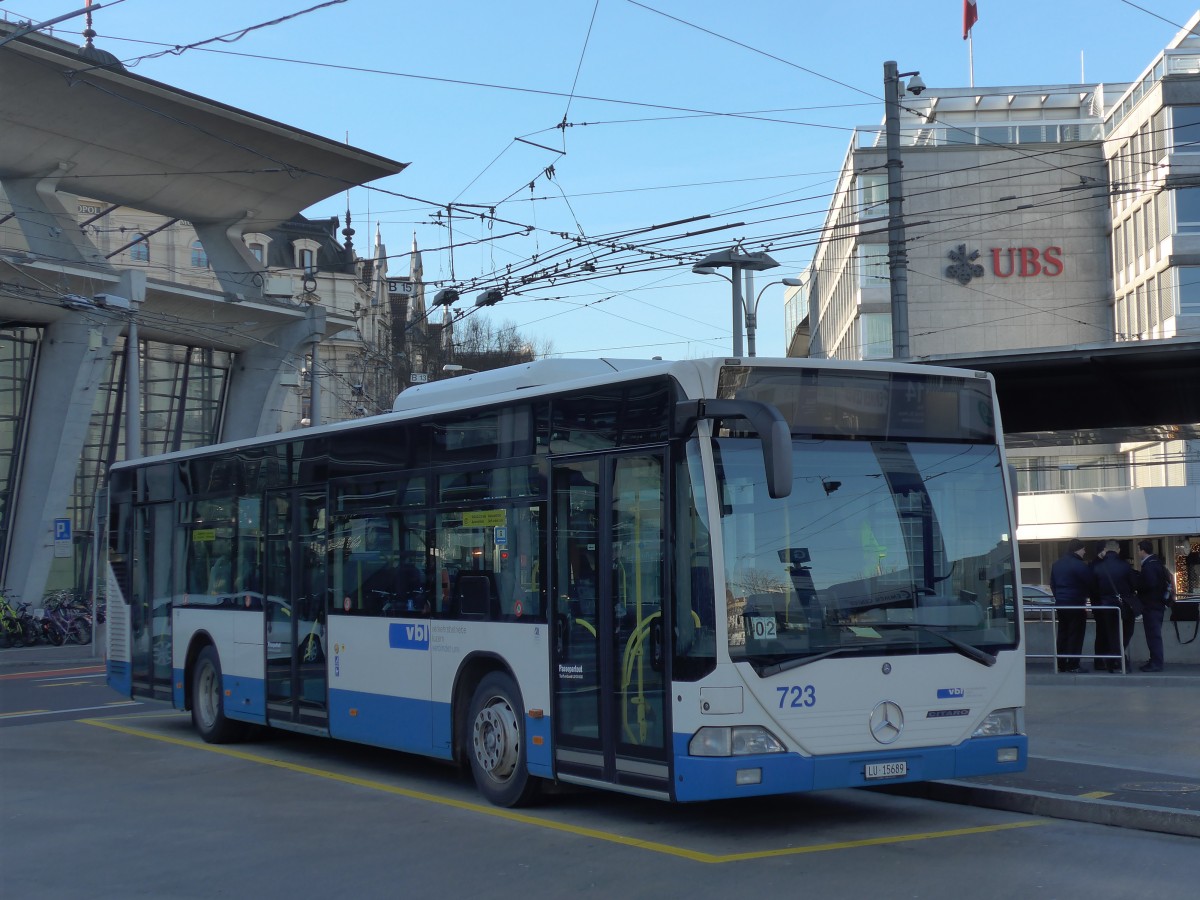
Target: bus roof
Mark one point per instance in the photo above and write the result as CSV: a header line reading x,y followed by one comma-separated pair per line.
x,y
539,377
491,382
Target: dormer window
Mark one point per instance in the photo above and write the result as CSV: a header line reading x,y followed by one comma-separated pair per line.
x,y
306,255
140,249
199,257
258,245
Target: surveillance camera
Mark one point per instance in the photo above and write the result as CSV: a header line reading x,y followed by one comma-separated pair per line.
x,y
916,86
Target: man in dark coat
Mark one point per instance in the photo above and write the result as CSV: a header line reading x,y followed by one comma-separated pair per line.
x,y
1116,600
1071,582
1152,591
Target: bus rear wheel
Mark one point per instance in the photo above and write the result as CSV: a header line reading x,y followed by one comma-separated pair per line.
x,y
208,701
496,743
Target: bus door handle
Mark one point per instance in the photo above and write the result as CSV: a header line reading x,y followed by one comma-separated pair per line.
x,y
656,646
562,631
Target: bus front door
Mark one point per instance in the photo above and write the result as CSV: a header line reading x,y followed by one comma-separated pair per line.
x,y
610,716
294,599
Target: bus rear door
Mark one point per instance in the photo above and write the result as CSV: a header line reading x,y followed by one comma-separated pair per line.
x,y
294,593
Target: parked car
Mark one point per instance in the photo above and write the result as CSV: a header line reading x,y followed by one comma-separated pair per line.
x,y
1037,595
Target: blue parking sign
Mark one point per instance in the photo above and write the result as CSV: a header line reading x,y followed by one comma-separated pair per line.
x,y
62,539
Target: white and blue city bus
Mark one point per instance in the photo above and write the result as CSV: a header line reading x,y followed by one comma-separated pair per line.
x,y
683,580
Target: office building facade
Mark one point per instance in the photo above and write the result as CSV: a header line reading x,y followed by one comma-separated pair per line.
x,y
1064,217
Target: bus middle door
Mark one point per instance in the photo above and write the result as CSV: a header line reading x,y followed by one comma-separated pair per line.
x,y
610,716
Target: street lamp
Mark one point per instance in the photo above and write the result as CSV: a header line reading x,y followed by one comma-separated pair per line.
x,y
893,87
737,262
752,312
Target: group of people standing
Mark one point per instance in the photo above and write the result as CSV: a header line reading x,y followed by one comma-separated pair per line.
x,y
1118,594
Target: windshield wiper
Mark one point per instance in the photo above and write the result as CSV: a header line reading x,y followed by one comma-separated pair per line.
x,y
970,651
790,664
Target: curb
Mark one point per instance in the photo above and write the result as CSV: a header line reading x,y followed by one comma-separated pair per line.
x,y
30,657
1057,806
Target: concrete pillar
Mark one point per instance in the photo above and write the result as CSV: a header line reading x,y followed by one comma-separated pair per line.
x,y
51,229
255,392
73,357
237,269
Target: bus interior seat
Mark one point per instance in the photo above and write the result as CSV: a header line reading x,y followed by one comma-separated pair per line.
x,y
474,596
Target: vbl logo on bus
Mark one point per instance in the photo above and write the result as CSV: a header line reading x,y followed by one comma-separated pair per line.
x,y
403,636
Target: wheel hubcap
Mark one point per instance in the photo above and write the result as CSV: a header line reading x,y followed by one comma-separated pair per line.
x,y
208,696
496,739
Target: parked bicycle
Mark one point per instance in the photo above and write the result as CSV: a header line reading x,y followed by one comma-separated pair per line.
x,y
65,618
16,622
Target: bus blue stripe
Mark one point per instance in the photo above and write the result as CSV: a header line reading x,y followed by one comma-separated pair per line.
x,y
712,778
119,677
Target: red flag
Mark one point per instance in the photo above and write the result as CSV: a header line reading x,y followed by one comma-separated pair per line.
x,y
970,17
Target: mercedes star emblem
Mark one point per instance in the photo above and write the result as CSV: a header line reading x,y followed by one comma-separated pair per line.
x,y
887,721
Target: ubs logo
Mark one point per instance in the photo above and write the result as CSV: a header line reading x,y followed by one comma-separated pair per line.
x,y
963,266
1007,262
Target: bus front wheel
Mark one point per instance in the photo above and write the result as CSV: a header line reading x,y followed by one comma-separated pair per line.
x,y
496,742
208,701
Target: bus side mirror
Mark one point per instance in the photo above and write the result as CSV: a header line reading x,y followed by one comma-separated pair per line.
x,y
773,433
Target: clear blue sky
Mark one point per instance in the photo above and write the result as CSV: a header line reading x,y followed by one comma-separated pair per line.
x,y
650,99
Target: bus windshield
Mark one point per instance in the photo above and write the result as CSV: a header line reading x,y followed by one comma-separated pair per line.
x,y
883,547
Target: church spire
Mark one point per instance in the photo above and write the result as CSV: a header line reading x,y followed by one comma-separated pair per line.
x,y
416,275
416,271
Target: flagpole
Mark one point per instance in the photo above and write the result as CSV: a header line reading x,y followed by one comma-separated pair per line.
x,y
971,57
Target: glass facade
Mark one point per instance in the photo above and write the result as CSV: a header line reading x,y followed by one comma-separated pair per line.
x,y
18,351
182,392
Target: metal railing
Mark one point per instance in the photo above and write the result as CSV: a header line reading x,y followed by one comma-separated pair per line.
x,y
1053,611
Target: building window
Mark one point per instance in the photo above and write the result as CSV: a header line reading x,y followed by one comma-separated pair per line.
x,y
1158,135
1187,211
875,335
994,134
1189,290
140,251
873,265
257,245
872,195
199,257
1185,129
1119,252
1032,134
307,260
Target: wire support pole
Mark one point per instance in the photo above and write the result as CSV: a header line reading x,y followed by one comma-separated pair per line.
x,y
897,251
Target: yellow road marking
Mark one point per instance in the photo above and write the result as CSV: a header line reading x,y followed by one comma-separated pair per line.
x,y
1096,795
23,712
69,684
538,822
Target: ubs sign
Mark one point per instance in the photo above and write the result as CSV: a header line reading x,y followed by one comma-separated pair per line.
x,y
1006,262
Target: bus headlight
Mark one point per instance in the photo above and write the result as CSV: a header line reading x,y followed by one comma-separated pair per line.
x,y
1001,722
737,740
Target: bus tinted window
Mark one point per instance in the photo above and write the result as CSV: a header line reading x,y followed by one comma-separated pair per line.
x,y
611,417
367,449
868,405
379,493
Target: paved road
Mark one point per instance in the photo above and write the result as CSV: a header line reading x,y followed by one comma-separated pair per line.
x,y
1109,749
